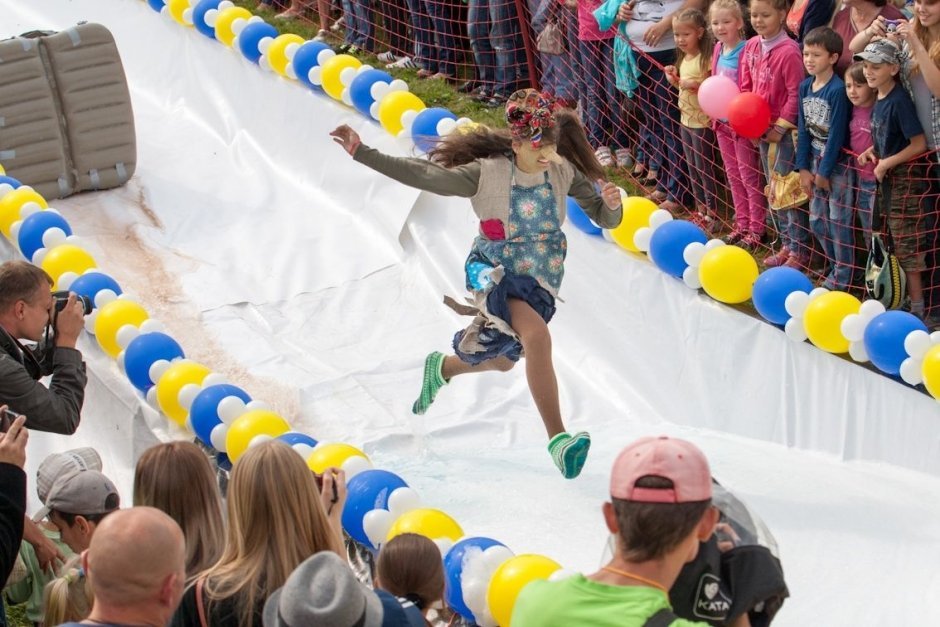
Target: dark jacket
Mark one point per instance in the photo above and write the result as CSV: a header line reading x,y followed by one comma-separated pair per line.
x,y
12,511
56,409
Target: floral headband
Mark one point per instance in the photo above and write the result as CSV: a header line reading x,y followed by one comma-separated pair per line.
x,y
528,113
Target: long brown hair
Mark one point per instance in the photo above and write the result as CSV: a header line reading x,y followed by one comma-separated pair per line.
x,y
706,44
177,478
411,566
930,38
275,521
482,142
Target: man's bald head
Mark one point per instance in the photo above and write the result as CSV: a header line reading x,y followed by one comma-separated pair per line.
x,y
132,554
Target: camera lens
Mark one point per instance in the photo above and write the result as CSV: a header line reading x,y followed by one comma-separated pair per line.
x,y
62,298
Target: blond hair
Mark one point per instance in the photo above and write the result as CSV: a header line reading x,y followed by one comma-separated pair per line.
x,y
930,41
67,598
275,521
705,43
177,478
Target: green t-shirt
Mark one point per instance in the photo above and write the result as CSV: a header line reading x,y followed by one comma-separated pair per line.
x,y
580,601
30,589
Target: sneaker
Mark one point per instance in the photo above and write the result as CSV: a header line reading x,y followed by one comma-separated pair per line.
x,y
481,94
657,196
752,241
338,25
342,48
777,259
798,262
652,178
604,157
623,157
322,35
353,50
387,57
404,63
441,76
431,384
494,101
737,235
569,452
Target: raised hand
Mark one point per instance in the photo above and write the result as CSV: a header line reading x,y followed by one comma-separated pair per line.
x,y
347,138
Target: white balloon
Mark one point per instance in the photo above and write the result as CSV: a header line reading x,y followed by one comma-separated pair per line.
x,y
345,97
917,343
853,328
265,63
398,85
378,90
607,236
157,369
238,25
259,439
265,44
90,321
314,74
354,465
253,405
857,351
187,395
377,523
374,111
870,309
120,362
796,303
53,237
935,337
105,296
794,330
365,67
347,75
39,255
659,218
691,278
226,4
446,126
152,398
5,188
290,71
66,279
494,556
188,16
217,436
214,378
290,50
816,293
126,334
15,232
408,118
443,544
303,450
693,253
29,208
403,500
642,237
561,574
474,596
911,371
325,55
211,16
151,325
230,408
714,243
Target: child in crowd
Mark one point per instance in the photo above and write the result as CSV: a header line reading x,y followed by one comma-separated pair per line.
x,y
693,64
68,598
772,67
824,175
897,138
558,74
411,568
739,154
865,184
517,183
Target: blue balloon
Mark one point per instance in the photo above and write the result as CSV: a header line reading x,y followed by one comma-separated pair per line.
x,y
204,413
453,569
580,219
251,36
365,492
306,58
33,227
667,245
424,129
9,180
199,17
293,437
157,5
90,283
772,288
143,351
884,339
360,89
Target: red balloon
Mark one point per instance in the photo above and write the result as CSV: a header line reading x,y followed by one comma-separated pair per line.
x,y
749,115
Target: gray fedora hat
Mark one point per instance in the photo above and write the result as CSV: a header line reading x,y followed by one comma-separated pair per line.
x,y
323,591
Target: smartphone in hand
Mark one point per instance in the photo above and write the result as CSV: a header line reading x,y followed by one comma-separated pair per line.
x,y
7,416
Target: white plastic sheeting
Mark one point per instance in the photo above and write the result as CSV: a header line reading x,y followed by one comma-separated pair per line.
x,y
316,284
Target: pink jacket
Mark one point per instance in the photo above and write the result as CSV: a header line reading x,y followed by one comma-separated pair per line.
x,y
776,77
588,30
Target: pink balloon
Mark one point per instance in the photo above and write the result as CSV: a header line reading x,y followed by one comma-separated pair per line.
x,y
715,95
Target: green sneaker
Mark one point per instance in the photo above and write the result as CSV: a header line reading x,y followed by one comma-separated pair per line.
x,y
569,452
432,383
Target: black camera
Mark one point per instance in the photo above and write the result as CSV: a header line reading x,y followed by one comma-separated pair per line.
x,y
61,298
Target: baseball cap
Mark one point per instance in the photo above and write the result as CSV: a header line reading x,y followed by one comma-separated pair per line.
x,y
670,458
86,493
61,464
880,51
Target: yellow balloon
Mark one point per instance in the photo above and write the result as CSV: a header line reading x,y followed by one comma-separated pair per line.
x,y
823,317
176,9
246,427
330,73
223,23
930,369
180,373
66,258
393,105
511,577
277,53
728,273
2,170
11,204
111,318
636,215
430,523
331,456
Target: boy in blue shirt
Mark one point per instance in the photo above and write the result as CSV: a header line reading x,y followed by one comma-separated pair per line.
x,y
822,131
897,138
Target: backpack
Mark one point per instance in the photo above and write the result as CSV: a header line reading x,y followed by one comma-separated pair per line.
x,y
662,618
885,280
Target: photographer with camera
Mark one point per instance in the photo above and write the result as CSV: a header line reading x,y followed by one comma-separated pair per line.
x,y
29,311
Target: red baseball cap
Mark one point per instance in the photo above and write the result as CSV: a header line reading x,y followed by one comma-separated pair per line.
x,y
671,458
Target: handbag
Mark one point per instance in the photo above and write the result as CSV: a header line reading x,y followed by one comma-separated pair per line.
x,y
783,191
551,40
885,280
